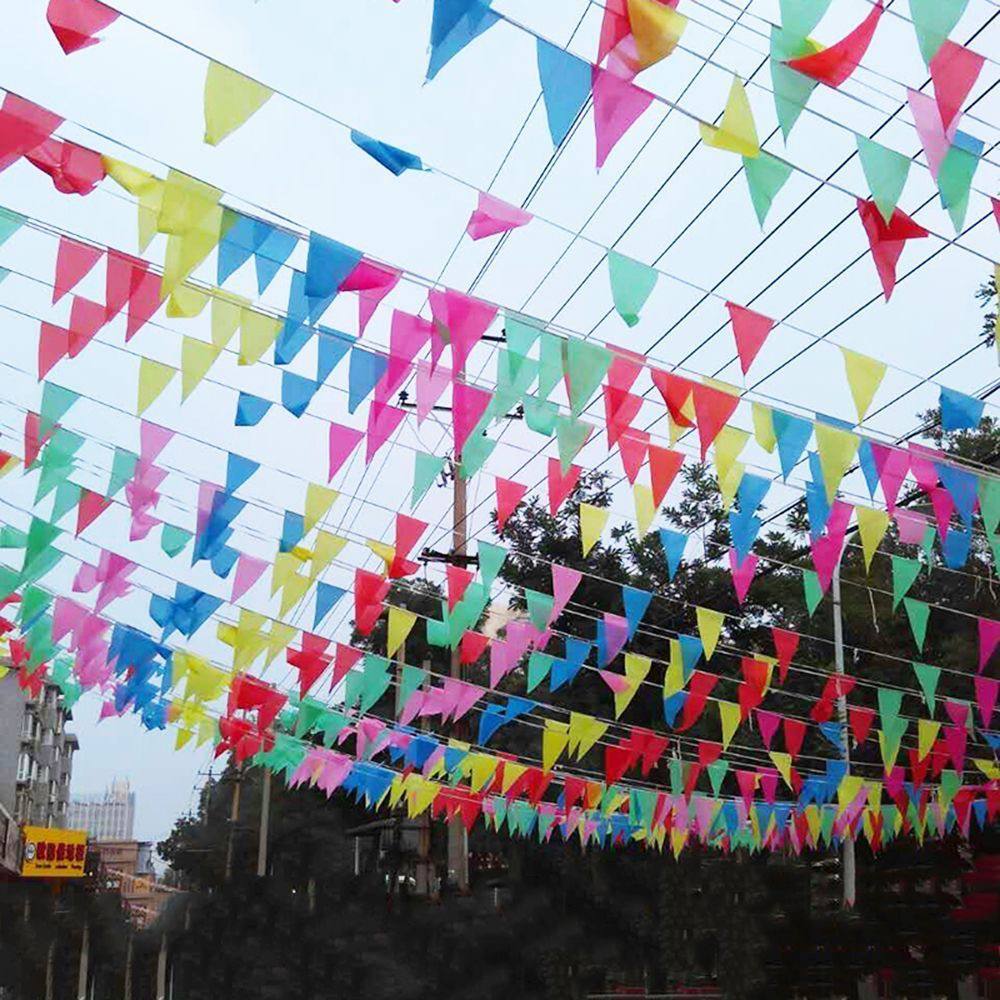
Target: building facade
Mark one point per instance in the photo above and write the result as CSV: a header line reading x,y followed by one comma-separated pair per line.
x,y
36,755
107,815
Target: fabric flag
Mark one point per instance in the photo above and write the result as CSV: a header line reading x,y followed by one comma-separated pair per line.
x,y
954,71
154,377
917,612
631,285
566,83
455,24
617,106
736,131
750,330
74,261
75,23
343,441
885,171
674,543
656,29
509,495
493,216
592,522
833,65
989,637
392,158
560,486
958,411
709,629
468,406
933,22
766,176
664,465
887,239
230,99
872,526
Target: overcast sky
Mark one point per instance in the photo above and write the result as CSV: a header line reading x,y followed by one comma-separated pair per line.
x,y
138,96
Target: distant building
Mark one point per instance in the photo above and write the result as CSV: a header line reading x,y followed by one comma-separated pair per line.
x,y
127,867
107,815
36,757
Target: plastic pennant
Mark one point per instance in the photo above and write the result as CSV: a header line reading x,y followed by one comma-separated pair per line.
x,y
736,132
958,411
674,543
74,261
750,330
766,176
230,99
75,23
864,376
394,159
631,285
709,629
592,522
837,451
812,589
493,216
835,64
343,441
560,484
887,239
645,510
713,407
365,370
455,24
656,29
886,171
742,573
872,526
664,465
917,612
954,70
509,494
565,82
401,623
426,468
955,178
933,22
989,638
469,404
618,104
154,377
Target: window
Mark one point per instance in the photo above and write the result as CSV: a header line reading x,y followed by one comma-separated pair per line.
x,y
24,766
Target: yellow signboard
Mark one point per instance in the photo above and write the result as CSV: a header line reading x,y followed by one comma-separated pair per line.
x,y
51,853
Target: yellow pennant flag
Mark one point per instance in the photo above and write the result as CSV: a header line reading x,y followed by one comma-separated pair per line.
x,y
230,99
295,590
848,790
783,762
763,426
645,509
154,377
197,357
731,483
728,444
837,450
385,551
484,766
554,740
11,463
227,311
736,132
636,671
864,376
656,29
286,565
872,526
191,215
729,716
927,734
889,750
186,302
709,629
319,500
328,546
258,332
147,189
989,767
511,772
592,522
584,732
401,623
673,678
277,640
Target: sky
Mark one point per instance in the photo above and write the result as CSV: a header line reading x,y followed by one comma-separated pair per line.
x,y
661,198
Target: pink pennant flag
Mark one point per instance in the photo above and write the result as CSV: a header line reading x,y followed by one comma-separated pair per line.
x,y
74,261
767,723
614,27
468,404
509,495
954,70
494,216
249,570
986,698
944,507
343,441
501,663
826,553
85,319
141,525
934,137
633,446
892,465
955,739
625,367
372,282
382,423
75,23
565,580
431,382
887,240
67,616
617,106
460,320
989,637
834,64
911,526
560,486
743,573
53,346
152,440
407,335
750,329
995,202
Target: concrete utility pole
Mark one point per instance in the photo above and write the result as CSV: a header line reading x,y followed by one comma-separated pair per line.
x,y
161,969
458,841
848,876
234,815
265,817
84,971
127,992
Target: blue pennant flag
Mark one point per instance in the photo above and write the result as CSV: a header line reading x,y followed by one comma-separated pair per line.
x,y
327,595
333,345
456,23
636,602
566,82
293,529
250,409
295,334
691,653
236,247
674,543
833,732
751,492
223,560
273,247
955,548
327,266
238,471
960,412
297,392
793,435
565,670
743,532
963,487
490,720
672,707
866,459
391,157
366,368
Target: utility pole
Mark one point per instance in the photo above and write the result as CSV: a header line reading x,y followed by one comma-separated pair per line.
x,y
848,872
265,817
83,974
127,993
458,841
234,815
161,969
50,968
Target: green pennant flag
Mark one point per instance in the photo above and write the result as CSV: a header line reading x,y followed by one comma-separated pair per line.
x,y
676,771
39,550
951,782
989,502
800,17
918,613
550,364
904,572
491,558
889,704
571,436
476,451
716,772
34,601
631,285
541,415
934,21
12,538
438,633
353,686
813,591
426,468
67,499
173,539
995,548
520,336
539,608
954,182
309,713
10,223
412,679
586,366
515,375
122,469
886,171
928,678
791,89
539,666
766,175
56,460
56,402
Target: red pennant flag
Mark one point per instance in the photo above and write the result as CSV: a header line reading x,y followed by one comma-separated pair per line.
x,y
616,763
74,261
343,661
90,507
795,731
85,319
620,409
708,752
785,646
74,169
473,646
664,465
458,580
861,720
698,691
76,22
34,439
676,391
954,71
53,346
560,486
712,408
633,446
750,329
23,127
887,240
310,661
509,495
834,64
